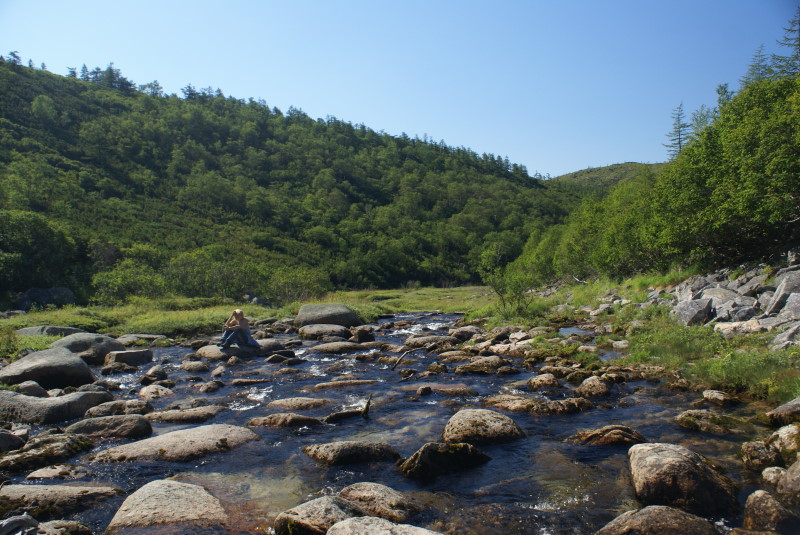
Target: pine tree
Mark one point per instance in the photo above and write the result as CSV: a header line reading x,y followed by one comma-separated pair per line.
x,y
679,134
759,68
789,65
84,73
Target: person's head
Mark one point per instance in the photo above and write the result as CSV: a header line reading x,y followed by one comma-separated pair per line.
x,y
238,313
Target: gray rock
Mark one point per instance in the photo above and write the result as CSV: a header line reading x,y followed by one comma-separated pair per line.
x,y
118,426
593,387
153,392
426,340
182,445
266,346
375,526
121,406
337,347
21,408
483,366
757,456
315,517
719,398
787,284
481,426
762,512
51,368
350,451
64,527
91,347
609,435
331,313
789,337
48,330
786,441
658,520
511,402
54,501
466,332
789,485
694,312
284,419
170,505
544,381
131,357
668,474
787,413
438,458
299,403
718,296
44,450
773,475
194,415
562,406
32,388
9,441
379,500
754,286
317,331
791,310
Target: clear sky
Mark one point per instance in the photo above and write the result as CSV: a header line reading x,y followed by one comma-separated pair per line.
x,y
557,85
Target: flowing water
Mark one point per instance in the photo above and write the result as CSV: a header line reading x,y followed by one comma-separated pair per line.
x,y
537,485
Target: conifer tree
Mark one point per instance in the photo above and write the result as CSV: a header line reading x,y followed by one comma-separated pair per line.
x,y
679,134
759,68
789,65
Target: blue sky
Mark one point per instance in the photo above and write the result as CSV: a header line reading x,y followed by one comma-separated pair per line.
x,y
557,86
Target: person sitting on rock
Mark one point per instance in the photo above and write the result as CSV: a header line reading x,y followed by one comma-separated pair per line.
x,y
237,329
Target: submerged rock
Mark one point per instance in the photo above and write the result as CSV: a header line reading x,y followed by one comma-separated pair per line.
x,y
658,520
284,419
53,501
121,406
609,435
668,474
562,406
481,426
437,458
165,502
708,421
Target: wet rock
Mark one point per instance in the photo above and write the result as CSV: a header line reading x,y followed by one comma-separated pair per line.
x,y
327,313
556,371
756,455
210,386
153,375
53,501
131,357
163,503
337,347
151,392
20,408
762,512
43,450
64,527
708,421
350,451
59,471
544,381
719,398
315,517
466,332
266,346
9,441
789,485
511,402
379,500
194,415
119,426
51,368
121,406
773,475
318,331
562,406
658,520
785,414
481,426
786,441
178,446
482,366
437,458
694,312
91,347
195,366
284,419
299,403
32,388
609,435
668,474
375,526
593,387
346,383
427,340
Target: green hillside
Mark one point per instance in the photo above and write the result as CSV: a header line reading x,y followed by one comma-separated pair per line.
x,y
602,178
114,191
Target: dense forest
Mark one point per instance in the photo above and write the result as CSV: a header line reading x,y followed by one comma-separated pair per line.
x,y
115,190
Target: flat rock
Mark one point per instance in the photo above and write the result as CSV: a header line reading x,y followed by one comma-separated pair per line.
x,y
91,347
16,407
315,517
181,445
719,398
379,500
658,520
437,458
483,365
787,413
350,451
131,357
321,330
337,347
299,403
426,340
609,435
53,501
118,426
267,346
120,406
44,450
511,402
164,503
668,474
58,471
375,526
346,383
327,313
562,406
284,419
194,415
51,368
708,421
481,426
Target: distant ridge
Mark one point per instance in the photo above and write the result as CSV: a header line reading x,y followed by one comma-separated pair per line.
x,y
605,177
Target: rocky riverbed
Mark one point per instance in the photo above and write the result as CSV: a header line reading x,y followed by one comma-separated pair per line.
x,y
413,424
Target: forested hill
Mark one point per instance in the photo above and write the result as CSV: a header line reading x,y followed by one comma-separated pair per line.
x,y
602,178
114,190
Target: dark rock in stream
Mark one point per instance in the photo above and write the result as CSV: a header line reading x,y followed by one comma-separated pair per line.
x,y
113,427
483,365
318,331
337,347
785,414
762,512
9,441
284,419
379,500
44,450
20,408
668,474
658,520
481,426
350,451
330,313
438,458
757,455
315,517
131,357
609,435
708,421
53,501
193,415
562,406
51,368
120,406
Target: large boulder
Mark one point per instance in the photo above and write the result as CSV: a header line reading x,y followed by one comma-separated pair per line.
x,y
182,445
788,284
320,330
91,347
364,525
789,337
787,413
668,474
113,427
481,426
437,458
330,313
694,312
44,450
48,330
350,451
131,357
53,501
658,520
762,512
789,485
51,368
183,507
16,407
266,346
315,517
